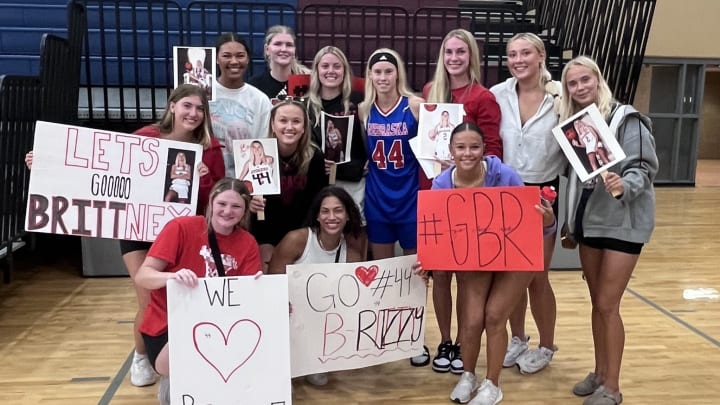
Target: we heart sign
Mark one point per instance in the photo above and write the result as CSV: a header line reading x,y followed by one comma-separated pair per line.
x,y
229,341
353,315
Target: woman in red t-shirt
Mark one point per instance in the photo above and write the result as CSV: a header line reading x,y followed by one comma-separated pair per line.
x,y
182,252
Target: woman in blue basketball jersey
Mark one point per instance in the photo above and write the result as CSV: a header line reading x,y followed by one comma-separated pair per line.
x,y
390,115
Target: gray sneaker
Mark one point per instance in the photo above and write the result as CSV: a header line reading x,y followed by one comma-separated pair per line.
x,y
421,360
535,360
602,396
317,380
586,386
515,349
164,390
466,386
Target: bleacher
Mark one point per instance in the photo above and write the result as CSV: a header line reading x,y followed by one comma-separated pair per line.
x,y
113,70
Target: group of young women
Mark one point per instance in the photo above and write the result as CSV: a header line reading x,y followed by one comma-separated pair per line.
x,y
505,140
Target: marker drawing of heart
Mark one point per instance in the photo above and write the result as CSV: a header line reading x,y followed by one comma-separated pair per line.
x,y
226,353
366,275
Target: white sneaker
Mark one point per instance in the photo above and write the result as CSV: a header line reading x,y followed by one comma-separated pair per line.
x,y
488,394
164,390
465,388
516,348
141,372
456,365
535,360
319,379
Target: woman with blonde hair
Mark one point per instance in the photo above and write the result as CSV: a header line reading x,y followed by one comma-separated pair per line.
x,y
389,113
331,93
529,102
302,175
186,120
185,250
457,80
611,218
282,62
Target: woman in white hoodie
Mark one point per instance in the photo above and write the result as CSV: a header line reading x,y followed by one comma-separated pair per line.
x,y
527,104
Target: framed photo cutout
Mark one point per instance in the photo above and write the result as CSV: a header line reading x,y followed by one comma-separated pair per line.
x,y
588,144
195,65
257,164
336,137
179,176
436,122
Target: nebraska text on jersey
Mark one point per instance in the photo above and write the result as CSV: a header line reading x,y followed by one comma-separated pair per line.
x,y
395,128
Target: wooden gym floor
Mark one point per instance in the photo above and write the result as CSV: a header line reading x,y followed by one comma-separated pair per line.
x,y
66,340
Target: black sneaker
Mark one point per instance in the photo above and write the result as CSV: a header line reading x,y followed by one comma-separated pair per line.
x,y
421,360
441,362
456,364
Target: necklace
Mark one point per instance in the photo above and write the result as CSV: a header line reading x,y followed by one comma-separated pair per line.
x,y
477,182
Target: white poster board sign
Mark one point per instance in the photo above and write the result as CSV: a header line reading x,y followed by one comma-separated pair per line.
x,y
97,183
229,341
257,164
435,124
353,315
195,65
430,167
588,144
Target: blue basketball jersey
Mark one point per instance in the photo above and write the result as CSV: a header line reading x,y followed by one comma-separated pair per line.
x,y
392,182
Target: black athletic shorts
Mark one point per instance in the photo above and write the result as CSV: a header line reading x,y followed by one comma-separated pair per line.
x,y
153,346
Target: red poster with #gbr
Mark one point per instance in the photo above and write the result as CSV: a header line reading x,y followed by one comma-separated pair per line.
x,y
480,229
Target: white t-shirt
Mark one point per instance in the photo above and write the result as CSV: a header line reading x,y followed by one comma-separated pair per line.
x,y
530,149
242,113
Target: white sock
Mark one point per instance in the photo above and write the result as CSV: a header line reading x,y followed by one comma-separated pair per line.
x,y
137,356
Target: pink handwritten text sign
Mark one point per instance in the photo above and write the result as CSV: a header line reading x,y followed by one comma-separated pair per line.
x,y
99,183
485,229
353,315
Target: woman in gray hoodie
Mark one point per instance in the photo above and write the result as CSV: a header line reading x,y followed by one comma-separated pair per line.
x,y
611,218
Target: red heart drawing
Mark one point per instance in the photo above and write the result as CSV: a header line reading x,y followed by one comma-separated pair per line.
x,y
219,352
366,275
431,107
